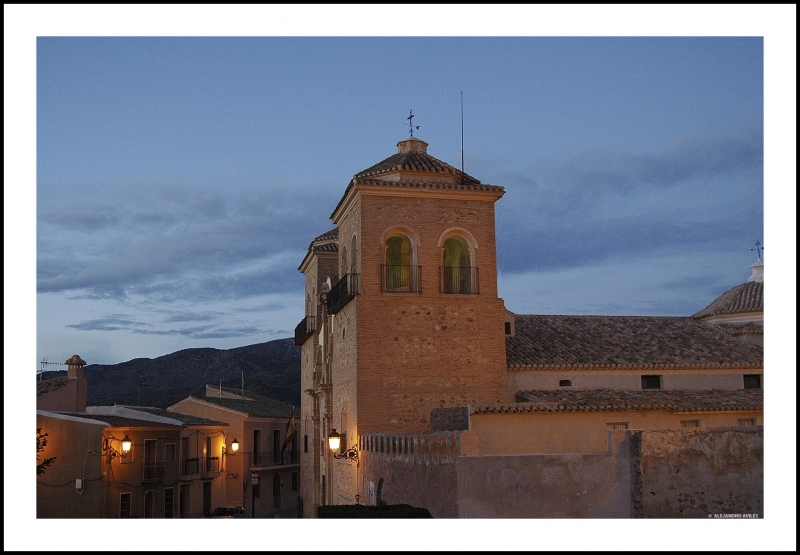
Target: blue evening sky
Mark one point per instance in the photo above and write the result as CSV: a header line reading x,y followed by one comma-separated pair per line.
x,y
179,179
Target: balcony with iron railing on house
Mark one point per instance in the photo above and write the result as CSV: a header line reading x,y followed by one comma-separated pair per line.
x,y
344,290
305,329
152,472
273,458
401,279
200,465
209,466
460,280
190,466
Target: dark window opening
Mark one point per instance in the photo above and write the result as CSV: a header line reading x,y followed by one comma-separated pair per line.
x,y
305,443
206,498
295,477
565,383
276,491
508,328
168,502
125,505
752,381
651,382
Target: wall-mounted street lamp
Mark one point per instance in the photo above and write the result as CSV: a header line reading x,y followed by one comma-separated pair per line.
x,y
233,450
112,453
334,442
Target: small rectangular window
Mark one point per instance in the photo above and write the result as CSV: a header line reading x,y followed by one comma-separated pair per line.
x,y
617,426
508,328
752,381
565,383
690,424
305,443
169,452
747,422
124,505
651,382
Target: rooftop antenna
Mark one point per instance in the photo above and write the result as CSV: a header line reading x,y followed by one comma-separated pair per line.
x,y
758,249
462,136
410,119
44,365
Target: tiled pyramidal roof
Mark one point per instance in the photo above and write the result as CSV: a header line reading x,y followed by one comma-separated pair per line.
x,y
625,342
591,400
747,297
413,167
417,162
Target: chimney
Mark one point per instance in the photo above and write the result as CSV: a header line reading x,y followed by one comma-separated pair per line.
x,y
75,366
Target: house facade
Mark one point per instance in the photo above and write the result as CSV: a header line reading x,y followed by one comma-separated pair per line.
x,y
262,475
95,476
124,462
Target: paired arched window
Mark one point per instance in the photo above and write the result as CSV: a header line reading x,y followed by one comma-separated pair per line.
x,y
399,272
458,275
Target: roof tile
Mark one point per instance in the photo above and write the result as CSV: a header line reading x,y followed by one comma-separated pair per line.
x,y
590,400
543,341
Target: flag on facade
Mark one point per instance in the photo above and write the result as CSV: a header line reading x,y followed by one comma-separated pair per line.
x,y
289,431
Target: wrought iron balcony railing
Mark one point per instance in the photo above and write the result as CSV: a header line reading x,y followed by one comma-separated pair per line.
x,y
344,290
190,466
463,280
274,458
401,279
210,464
152,472
305,329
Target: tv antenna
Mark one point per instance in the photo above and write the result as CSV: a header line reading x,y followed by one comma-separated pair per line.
x,y
44,365
411,125
758,249
462,135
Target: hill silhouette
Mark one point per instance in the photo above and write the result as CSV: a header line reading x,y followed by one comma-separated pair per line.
x,y
271,369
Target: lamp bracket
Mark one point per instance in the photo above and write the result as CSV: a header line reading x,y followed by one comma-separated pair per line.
x,y
350,454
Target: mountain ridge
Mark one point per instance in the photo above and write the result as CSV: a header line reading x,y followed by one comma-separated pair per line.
x,y
271,369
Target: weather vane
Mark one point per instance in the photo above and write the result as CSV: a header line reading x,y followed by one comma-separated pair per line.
x,y
411,125
758,249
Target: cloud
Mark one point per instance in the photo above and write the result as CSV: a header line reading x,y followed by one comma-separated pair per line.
x,y
699,193
109,323
183,243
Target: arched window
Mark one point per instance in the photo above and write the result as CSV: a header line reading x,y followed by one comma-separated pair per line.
x,y
400,273
354,255
458,273
344,262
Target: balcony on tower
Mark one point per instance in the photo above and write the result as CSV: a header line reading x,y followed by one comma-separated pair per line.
x,y
401,278
344,290
305,329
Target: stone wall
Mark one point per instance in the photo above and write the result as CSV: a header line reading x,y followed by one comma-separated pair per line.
x,y
645,474
415,469
697,473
